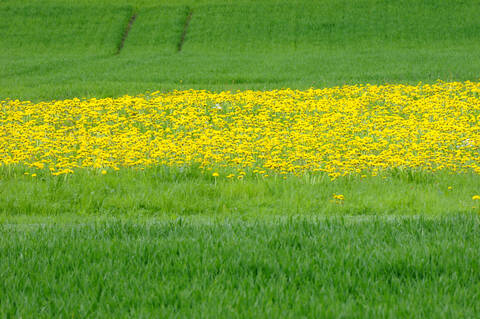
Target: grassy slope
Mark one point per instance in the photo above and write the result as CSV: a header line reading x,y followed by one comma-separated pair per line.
x,y
263,45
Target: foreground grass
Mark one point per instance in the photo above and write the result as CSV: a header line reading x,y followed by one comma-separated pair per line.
x,y
169,192
408,267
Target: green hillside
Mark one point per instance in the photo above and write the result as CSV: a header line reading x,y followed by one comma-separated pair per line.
x,y
58,49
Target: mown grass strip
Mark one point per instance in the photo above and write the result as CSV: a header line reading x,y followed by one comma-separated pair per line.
x,y
185,28
172,193
125,34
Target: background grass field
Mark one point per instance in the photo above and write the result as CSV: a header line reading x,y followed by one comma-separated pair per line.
x,y
171,243
57,49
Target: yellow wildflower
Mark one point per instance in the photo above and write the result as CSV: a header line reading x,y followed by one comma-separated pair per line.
x,y
338,197
430,127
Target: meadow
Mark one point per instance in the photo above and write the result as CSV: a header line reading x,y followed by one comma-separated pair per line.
x,y
239,158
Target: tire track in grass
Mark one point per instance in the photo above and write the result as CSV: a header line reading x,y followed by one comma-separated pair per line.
x,y
212,221
185,28
125,33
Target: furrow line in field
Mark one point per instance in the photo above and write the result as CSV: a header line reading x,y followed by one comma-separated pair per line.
x,y
185,28
206,221
125,33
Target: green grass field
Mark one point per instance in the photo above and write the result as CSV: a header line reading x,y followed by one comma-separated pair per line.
x,y
170,193
57,49
293,268
168,242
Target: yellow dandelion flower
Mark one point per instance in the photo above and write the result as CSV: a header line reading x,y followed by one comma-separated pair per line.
x,y
292,131
338,197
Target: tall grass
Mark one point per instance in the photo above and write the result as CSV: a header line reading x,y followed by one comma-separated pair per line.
x,y
232,269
